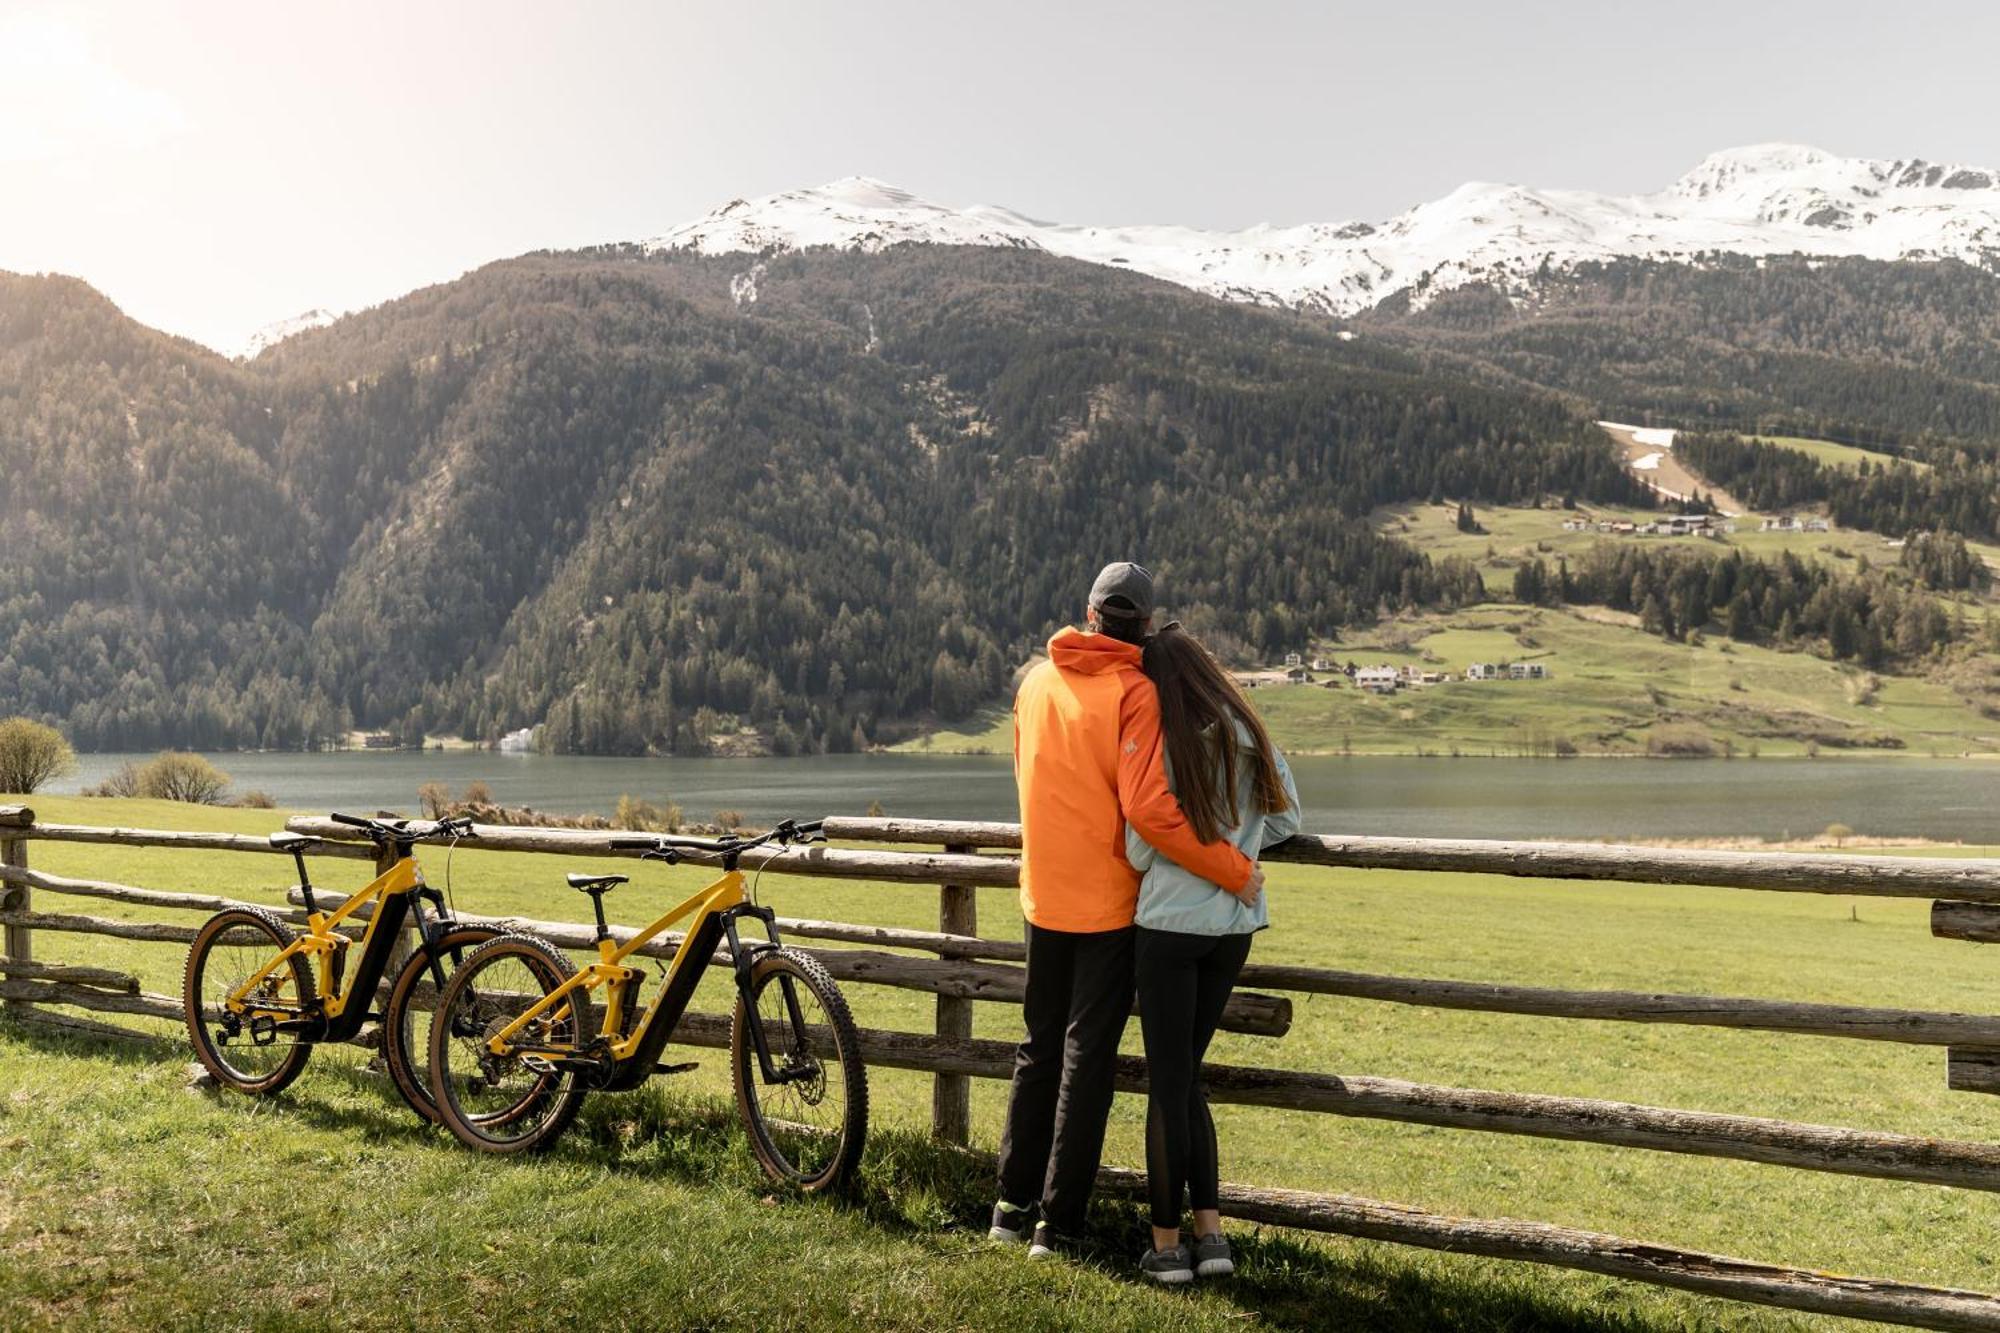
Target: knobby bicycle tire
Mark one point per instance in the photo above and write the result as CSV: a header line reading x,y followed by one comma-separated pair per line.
x,y
200,956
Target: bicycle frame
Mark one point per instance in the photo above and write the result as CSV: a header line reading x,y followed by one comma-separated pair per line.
x,y
714,911
391,893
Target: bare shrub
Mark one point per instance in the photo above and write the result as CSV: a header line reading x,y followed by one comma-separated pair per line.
x,y
32,753
256,799
434,798
645,817
175,776
123,781
476,793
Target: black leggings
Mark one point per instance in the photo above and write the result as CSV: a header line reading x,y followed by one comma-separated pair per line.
x,y
1184,981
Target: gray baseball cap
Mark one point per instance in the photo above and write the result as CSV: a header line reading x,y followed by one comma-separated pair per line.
x,y
1123,589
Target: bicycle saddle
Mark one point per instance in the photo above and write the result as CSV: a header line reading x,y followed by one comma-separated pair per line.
x,y
595,883
285,842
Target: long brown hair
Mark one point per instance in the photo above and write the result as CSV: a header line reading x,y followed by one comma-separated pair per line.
x,y
1199,708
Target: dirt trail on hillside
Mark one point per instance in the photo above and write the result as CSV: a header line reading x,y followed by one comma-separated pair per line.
x,y
1667,475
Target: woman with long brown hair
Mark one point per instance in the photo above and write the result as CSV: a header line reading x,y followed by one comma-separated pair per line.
x,y
1193,936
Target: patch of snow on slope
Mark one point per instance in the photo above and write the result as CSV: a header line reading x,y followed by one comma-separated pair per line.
x,y
1771,199
274,333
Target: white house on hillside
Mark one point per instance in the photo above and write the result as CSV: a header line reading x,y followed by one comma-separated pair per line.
x,y
1378,679
1482,671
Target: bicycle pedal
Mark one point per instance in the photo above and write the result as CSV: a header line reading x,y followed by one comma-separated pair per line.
x,y
677,1069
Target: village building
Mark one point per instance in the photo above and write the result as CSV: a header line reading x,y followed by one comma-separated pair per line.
x,y
1527,671
1483,671
1378,679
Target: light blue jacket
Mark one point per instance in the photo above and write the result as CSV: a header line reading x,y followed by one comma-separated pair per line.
x,y
1171,898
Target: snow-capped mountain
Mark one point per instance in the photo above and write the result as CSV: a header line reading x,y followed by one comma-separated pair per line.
x,y
276,332
1766,200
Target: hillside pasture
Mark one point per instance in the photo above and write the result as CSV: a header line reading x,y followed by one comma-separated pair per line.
x,y
1848,457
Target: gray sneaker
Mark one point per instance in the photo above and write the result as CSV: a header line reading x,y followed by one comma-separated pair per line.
x,y
1212,1257
1169,1266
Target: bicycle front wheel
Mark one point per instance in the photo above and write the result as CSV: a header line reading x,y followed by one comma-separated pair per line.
x,y
247,1051
523,1099
807,1114
406,1022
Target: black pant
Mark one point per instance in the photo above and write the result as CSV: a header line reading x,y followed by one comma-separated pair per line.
x,y
1184,981
1079,996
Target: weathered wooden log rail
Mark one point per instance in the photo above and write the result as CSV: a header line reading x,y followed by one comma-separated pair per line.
x,y
962,969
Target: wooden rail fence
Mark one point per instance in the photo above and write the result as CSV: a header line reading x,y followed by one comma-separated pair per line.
x,y
960,969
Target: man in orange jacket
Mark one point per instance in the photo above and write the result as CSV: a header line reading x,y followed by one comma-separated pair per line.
x,y
1087,759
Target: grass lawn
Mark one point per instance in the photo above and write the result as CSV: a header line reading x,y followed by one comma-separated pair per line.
x,y
1846,456
128,1199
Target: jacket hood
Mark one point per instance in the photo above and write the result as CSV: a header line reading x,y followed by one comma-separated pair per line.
x,y
1092,654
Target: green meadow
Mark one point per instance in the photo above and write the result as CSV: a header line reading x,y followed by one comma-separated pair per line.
x,y
1847,456
128,1198
1612,689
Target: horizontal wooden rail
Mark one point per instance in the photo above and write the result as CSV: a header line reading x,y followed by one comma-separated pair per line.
x,y
1853,1152
159,932
1259,1015
1968,879
1978,922
1915,1027
144,1004
103,978
206,842
816,859
1880,1299
1246,1012
1744,1138
1960,879
126,893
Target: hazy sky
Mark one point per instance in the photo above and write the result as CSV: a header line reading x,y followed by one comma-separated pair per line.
x,y
214,166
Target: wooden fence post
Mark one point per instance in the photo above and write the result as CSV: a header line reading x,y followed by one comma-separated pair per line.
x,y
20,946
951,1094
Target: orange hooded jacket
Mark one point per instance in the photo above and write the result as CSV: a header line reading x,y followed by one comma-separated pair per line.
x,y
1088,758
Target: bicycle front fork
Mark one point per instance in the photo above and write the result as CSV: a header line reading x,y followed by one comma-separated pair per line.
x,y
745,959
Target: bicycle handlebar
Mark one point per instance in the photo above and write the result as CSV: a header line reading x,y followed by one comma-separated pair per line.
x,y
787,832
408,830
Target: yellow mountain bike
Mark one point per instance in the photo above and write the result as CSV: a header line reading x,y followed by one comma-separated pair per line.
x,y
518,1040
254,1008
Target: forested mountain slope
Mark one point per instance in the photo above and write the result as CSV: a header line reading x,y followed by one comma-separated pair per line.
x,y
1902,355
649,498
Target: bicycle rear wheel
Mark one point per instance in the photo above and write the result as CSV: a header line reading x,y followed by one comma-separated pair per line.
x,y
245,1051
413,999
514,1102
807,1124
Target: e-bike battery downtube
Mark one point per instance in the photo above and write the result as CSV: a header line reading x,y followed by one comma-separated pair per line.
x,y
386,929
673,1002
